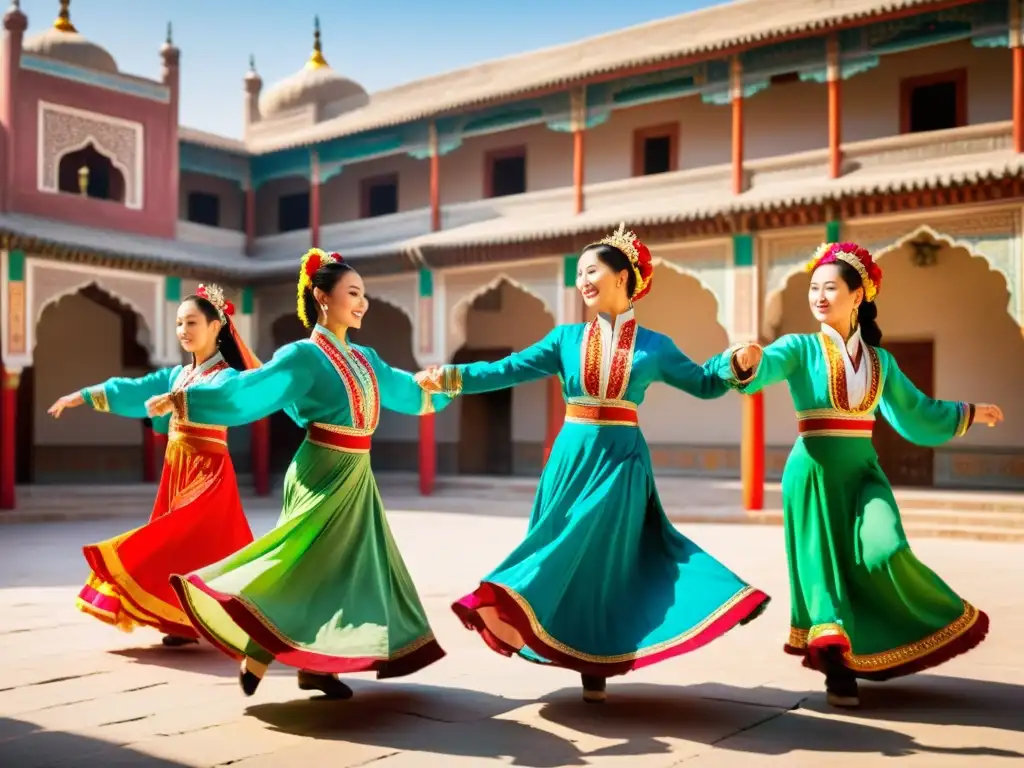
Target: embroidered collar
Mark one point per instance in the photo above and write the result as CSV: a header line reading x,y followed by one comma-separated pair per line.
x,y
852,344
190,373
333,339
606,322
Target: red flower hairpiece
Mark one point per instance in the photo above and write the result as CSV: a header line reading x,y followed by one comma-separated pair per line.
x,y
215,295
857,257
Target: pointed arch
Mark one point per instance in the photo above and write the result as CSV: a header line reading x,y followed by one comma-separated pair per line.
x,y
90,140
146,336
701,277
460,310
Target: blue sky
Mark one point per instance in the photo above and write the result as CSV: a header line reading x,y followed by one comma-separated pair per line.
x,y
379,43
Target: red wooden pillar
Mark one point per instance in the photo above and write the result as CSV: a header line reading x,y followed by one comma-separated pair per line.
x,y
8,438
314,200
579,120
752,451
1018,99
835,111
736,78
435,180
428,453
259,447
148,452
427,425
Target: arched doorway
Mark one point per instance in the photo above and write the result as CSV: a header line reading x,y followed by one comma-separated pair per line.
x,y
90,166
502,432
943,315
388,330
285,435
82,339
686,435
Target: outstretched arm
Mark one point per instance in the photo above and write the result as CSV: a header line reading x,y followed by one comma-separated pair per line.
x,y
249,396
679,371
127,397
399,391
915,416
777,363
537,361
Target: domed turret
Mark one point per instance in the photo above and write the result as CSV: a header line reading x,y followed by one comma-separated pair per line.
x,y
316,84
63,42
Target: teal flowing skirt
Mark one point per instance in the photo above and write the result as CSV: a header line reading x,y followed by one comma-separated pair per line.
x,y
326,590
603,583
854,582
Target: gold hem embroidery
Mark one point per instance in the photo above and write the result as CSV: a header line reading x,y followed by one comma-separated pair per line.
x,y
98,397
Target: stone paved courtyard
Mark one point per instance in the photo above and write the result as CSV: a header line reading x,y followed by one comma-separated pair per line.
x,y
75,692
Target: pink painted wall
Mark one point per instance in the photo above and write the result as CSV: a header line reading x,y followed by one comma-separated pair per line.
x,y
159,212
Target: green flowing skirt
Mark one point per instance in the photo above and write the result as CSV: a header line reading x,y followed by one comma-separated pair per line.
x,y
603,583
854,581
326,590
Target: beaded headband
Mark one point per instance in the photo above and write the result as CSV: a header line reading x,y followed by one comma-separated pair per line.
x,y
215,295
639,258
858,258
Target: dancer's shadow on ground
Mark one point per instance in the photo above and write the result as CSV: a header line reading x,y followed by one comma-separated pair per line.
x,y
199,659
640,719
26,744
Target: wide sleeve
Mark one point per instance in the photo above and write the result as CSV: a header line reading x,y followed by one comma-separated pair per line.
x,y
399,391
679,371
779,360
127,397
537,361
915,416
249,396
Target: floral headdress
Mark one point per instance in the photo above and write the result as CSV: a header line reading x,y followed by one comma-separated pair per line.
x,y
312,260
858,258
639,258
215,295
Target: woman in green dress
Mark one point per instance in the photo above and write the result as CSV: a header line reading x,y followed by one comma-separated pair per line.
x,y
863,606
603,583
326,590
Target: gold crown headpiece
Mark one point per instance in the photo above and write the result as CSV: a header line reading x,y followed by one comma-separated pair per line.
x,y
215,295
625,241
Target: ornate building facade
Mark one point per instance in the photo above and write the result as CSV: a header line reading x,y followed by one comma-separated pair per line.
x,y
734,140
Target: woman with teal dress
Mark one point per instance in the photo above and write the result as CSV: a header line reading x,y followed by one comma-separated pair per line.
x,y
863,606
603,583
325,591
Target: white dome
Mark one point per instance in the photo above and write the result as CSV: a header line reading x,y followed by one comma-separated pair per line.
x,y
62,42
317,85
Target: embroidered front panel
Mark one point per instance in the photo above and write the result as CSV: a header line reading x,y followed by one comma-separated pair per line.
x,y
368,383
344,366
590,361
838,394
189,376
622,362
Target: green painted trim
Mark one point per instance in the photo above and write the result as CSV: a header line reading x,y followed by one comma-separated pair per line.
x,y
172,288
743,250
832,231
247,301
426,283
16,266
569,271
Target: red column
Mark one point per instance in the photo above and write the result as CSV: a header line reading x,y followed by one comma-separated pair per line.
x,y
428,454
835,114
752,452
435,192
250,219
260,456
556,414
148,452
1018,99
738,183
577,169
8,439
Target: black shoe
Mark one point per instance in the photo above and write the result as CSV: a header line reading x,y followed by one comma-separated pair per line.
x,y
176,641
841,689
248,682
594,689
328,685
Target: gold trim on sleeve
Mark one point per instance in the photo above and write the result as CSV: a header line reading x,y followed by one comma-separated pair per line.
x,y
451,380
98,398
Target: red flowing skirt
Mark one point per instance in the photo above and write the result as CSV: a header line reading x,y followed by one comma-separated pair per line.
x,y
197,519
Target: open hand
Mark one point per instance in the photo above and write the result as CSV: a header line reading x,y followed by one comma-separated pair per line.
x,y
159,406
747,358
988,414
68,401
429,379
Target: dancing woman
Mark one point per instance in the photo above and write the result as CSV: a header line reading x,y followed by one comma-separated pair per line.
x,y
197,517
602,583
863,606
326,591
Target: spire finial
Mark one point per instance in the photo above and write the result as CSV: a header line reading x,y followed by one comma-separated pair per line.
x,y
316,58
170,34
252,62
63,21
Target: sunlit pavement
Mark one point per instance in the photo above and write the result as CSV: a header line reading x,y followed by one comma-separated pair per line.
x,y
75,692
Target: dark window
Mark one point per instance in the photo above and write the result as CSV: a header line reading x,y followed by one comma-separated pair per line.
x,y
293,212
204,208
90,168
934,107
657,154
380,197
508,175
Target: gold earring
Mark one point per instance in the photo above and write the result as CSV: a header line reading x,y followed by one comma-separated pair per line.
x,y
323,308
853,319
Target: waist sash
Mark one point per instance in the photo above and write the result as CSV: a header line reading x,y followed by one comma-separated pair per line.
x,y
201,437
609,413
829,423
345,439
